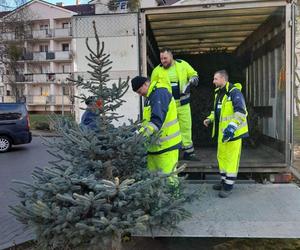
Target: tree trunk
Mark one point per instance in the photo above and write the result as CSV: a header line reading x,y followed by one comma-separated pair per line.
x,y
116,242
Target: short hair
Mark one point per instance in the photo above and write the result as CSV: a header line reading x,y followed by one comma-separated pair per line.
x,y
223,73
165,49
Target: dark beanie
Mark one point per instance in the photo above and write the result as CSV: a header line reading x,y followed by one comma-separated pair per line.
x,y
137,82
90,100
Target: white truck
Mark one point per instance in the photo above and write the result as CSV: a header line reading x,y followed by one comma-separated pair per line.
x,y
255,41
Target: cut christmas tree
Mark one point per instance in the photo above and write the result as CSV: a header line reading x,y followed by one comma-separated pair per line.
x,y
99,190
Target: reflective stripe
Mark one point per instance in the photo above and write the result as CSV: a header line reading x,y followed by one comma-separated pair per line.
x,y
231,175
151,124
185,87
229,182
239,114
233,124
148,131
242,125
227,118
190,150
169,137
188,147
173,84
169,124
187,96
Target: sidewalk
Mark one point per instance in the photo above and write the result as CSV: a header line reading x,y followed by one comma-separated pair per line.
x,y
43,133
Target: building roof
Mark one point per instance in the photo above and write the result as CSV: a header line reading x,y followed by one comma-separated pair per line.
x,y
4,13
81,9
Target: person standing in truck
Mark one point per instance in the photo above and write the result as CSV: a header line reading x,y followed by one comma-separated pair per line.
x,y
180,76
229,119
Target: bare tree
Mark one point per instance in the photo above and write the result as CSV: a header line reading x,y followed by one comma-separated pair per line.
x,y
15,28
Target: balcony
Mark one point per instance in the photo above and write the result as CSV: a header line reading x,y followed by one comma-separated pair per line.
x,y
60,99
37,100
62,33
38,78
59,77
8,36
39,56
8,98
47,100
41,34
63,55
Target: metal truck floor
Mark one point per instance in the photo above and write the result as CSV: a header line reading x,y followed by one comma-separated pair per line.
x,y
252,211
260,159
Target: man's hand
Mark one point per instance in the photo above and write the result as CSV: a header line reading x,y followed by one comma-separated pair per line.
x,y
228,133
206,122
194,81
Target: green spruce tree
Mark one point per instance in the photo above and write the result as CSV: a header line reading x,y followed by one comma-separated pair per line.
x,y
98,189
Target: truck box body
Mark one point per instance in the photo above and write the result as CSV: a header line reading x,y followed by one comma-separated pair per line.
x,y
254,41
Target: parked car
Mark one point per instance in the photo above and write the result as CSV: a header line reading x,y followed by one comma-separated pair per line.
x,y
14,125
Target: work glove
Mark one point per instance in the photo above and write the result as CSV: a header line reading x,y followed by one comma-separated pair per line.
x,y
194,81
228,133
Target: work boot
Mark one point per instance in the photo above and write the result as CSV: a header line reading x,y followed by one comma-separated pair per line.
x,y
190,157
218,186
225,193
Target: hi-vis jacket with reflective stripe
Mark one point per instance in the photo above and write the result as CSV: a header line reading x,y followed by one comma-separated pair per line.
x,y
184,73
163,120
233,111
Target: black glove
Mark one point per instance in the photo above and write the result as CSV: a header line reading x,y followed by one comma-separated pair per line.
x,y
194,81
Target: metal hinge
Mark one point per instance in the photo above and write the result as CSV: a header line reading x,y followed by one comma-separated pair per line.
x,y
141,32
290,23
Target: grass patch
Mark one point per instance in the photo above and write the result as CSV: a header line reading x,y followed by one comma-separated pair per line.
x,y
42,121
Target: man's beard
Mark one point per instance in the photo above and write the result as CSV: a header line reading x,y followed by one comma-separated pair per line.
x,y
167,65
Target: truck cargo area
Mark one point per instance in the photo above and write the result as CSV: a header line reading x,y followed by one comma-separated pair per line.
x,y
252,40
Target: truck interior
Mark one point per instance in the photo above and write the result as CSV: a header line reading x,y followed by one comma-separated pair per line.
x,y
250,41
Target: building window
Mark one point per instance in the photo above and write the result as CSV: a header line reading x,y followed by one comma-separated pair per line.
x,y
8,92
65,47
66,25
44,48
66,90
45,27
66,68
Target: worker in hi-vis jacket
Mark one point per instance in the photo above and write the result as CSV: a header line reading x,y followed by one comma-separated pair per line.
x,y
180,76
229,119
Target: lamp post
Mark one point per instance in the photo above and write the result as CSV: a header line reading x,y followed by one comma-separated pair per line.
x,y
62,98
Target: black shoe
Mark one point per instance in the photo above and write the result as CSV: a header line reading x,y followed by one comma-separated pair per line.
x,y
218,186
225,193
190,157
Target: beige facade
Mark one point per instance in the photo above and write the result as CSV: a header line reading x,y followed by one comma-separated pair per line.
x,y
47,59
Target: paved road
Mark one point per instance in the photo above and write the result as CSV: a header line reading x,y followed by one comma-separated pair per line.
x,y
17,164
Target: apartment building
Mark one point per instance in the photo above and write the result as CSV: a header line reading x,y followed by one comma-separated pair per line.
x,y
47,60
54,51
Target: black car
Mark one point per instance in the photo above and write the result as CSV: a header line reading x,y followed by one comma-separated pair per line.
x,y
14,125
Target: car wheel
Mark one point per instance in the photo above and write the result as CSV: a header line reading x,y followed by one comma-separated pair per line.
x,y
5,143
